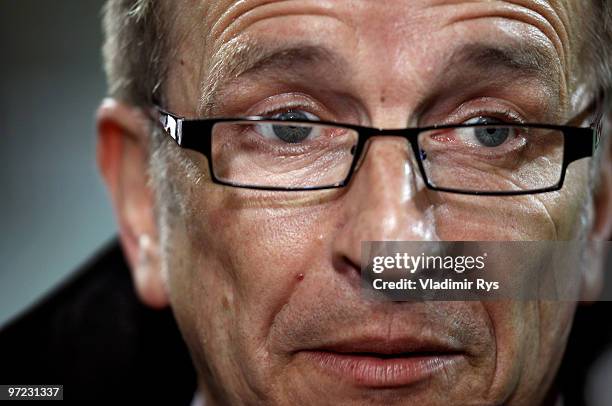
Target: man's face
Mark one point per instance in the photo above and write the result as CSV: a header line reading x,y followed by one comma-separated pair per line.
x,y
266,286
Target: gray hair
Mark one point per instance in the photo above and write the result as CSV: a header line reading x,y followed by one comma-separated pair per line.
x,y
137,40
596,55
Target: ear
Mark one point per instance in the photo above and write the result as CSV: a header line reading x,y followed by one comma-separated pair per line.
x,y
602,199
122,154
601,228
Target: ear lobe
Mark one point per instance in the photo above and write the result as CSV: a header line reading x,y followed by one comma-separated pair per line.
x,y
593,268
122,155
148,274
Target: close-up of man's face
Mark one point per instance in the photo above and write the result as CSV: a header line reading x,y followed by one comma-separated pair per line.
x,y
265,284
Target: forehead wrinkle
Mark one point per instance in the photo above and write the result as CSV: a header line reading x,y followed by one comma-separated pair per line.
x,y
231,19
241,56
220,70
225,17
240,10
538,14
558,19
548,17
225,63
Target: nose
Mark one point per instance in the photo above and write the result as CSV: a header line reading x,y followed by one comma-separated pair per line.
x,y
386,201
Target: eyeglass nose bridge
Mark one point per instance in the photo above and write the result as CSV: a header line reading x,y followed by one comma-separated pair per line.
x,y
408,134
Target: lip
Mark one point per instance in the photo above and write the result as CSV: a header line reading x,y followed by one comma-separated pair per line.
x,y
381,363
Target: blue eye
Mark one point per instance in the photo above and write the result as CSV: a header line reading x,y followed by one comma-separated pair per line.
x,y
489,136
291,134
492,137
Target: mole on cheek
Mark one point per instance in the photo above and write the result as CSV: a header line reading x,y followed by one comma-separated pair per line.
x,y
383,96
299,277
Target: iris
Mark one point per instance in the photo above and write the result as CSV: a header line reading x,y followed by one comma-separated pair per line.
x,y
288,133
492,136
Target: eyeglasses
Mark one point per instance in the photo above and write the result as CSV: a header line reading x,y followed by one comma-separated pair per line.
x,y
297,155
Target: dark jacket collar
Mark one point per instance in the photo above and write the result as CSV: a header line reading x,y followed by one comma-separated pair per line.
x,y
93,336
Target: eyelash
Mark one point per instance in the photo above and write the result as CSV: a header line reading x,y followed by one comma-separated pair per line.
x,y
272,113
505,116
291,106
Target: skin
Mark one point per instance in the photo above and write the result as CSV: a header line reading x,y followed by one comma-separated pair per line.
x,y
255,277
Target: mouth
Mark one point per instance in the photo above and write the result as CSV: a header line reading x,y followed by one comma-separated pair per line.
x,y
380,363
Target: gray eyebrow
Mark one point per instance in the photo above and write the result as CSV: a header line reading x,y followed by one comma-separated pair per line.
x,y
241,58
525,58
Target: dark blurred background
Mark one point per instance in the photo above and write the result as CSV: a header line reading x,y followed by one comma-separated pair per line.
x,y
53,209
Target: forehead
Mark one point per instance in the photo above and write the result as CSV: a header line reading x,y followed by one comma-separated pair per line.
x,y
225,38
401,20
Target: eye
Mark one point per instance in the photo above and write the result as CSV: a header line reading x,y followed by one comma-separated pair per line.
x,y
479,139
288,133
486,136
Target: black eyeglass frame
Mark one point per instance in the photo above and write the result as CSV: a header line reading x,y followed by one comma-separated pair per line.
x,y
579,142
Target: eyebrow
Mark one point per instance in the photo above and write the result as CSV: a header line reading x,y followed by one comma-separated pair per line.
x,y
524,58
239,59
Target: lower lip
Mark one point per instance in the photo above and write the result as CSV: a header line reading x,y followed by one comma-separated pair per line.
x,y
370,371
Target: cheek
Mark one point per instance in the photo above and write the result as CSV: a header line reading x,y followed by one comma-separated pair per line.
x,y
552,216
493,219
261,250
547,216
555,325
530,340
236,262
568,207
515,327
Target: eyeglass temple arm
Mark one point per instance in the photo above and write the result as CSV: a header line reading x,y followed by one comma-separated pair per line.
x,y
171,124
596,111
597,123
174,126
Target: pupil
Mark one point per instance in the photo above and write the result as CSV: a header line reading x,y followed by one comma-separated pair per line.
x,y
289,133
492,136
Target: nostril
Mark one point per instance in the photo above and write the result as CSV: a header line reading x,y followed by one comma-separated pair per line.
x,y
347,267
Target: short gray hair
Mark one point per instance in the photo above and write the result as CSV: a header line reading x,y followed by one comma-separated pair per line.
x,y
596,55
137,41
